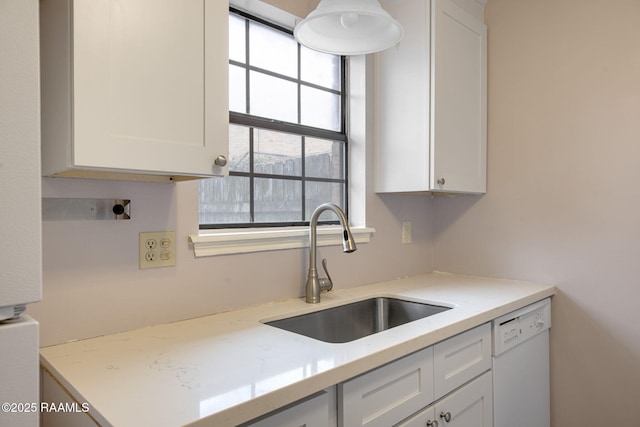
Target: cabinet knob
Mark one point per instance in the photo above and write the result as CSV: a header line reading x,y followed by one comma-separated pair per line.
x,y
432,423
220,160
440,181
446,416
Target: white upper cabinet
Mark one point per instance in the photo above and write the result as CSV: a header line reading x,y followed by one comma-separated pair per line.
x,y
134,89
431,101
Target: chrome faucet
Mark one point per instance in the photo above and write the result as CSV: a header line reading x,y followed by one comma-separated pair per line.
x,y
315,285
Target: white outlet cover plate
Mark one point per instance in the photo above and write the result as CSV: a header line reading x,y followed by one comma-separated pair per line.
x,y
157,249
406,232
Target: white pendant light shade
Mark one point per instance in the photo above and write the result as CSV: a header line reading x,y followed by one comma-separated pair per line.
x,y
348,27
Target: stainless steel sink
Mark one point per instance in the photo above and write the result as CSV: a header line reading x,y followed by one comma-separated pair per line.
x,y
350,322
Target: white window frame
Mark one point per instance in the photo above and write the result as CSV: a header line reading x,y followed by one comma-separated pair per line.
x,y
244,240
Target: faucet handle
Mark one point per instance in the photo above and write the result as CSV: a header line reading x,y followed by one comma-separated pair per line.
x,y
325,284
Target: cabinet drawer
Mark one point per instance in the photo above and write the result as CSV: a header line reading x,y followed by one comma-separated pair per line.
x,y
385,396
461,358
310,412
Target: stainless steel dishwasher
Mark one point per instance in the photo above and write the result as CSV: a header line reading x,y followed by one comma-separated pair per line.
x,y
521,396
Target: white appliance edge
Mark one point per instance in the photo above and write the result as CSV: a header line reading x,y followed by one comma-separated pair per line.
x,y
20,215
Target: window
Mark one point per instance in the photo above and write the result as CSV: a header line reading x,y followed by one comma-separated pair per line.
x,y
287,139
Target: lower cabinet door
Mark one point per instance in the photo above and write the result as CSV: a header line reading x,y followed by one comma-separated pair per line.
x,y
469,406
53,393
424,418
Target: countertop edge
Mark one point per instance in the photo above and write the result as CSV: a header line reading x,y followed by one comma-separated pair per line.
x,y
282,396
277,399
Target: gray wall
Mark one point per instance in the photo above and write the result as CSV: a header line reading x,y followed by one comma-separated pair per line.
x,y
563,202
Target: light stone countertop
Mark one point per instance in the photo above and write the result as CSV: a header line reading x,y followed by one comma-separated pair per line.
x,y
229,368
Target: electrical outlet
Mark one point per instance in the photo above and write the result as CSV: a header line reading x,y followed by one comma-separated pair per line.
x,y
406,231
157,249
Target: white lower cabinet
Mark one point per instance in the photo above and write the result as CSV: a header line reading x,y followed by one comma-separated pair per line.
x,y
388,395
315,411
469,406
461,358
53,395
448,384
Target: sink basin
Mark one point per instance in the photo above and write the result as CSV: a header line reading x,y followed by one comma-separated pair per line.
x,y
349,322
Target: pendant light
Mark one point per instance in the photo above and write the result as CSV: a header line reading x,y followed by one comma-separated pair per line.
x,y
348,27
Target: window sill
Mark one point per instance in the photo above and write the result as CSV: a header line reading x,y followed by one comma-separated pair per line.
x,y
225,242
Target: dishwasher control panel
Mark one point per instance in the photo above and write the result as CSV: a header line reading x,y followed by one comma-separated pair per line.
x,y
520,325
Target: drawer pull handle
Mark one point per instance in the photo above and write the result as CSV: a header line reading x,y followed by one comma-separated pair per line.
x,y
446,416
432,423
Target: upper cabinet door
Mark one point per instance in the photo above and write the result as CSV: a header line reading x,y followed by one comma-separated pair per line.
x,y
148,87
459,100
431,101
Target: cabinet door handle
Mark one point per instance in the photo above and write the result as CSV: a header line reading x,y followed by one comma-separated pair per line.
x,y
440,181
432,423
446,416
220,160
